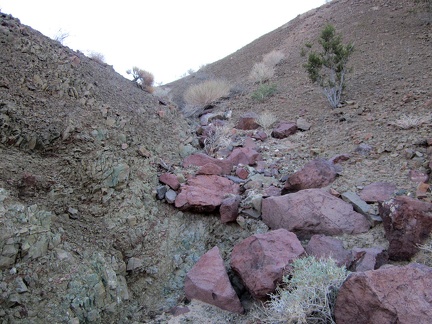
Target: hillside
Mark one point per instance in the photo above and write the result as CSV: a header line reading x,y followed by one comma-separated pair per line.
x,y
83,238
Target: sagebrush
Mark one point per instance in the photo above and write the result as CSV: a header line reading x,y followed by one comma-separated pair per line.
x,y
261,72
308,293
142,78
273,58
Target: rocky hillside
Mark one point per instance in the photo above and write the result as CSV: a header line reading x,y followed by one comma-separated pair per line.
x,y
83,237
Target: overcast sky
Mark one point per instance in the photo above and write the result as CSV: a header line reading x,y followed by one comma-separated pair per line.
x,y
166,38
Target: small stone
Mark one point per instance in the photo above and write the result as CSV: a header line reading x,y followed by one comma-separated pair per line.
x,y
170,196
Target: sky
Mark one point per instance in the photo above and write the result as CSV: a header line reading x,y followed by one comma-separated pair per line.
x,y
166,38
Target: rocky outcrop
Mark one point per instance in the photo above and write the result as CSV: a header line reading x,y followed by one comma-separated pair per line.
x,y
390,295
262,259
407,223
312,211
315,174
208,281
204,193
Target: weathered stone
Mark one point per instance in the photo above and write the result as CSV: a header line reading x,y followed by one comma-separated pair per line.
x,y
134,263
422,189
417,176
322,246
208,281
247,121
170,196
364,259
284,129
363,149
201,159
303,124
339,158
388,295
407,223
312,211
377,192
204,193
242,173
210,168
170,180
229,209
262,259
315,174
244,155
161,191
361,207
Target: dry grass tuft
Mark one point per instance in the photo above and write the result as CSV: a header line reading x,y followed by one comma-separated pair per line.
x,y
273,58
218,137
199,96
96,56
410,121
143,78
261,72
266,120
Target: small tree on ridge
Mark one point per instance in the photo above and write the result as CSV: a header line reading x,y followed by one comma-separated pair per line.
x,y
329,67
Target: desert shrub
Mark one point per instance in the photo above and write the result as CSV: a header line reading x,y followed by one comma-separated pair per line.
x,y
98,57
273,58
264,91
218,137
198,96
266,119
410,121
261,72
61,36
328,68
308,294
142,78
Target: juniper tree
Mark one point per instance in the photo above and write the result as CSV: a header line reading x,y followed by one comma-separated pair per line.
x,y
329,67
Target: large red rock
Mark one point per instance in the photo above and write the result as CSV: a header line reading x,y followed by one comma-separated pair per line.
x,y
262,259
377,192
387,295
244,155
204,193
407,223
208,281
321,246
315,174
312,211
284,129
201,159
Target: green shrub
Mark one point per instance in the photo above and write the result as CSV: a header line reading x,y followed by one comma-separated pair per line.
x,y
197,97
308,294
328,68
264,91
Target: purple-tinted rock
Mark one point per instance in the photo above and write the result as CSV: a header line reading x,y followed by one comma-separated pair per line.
x,y
244,155
229,209
377,192
262,259
321,246
170,180
248,121
312,211
284,129
364,259
201,159
407,223
208,281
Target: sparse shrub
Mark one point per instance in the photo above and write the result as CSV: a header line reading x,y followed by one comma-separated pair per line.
x,y
410,121
273,58
266,119
261,72
201,95
98,57
308,294
329,67
61,36
218,137
264,91
142,78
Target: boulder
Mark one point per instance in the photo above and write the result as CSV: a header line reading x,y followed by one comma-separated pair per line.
x,y
201,159
407,223
284,129
315,174
261,260
204,193
312,211
364,259
208,281
170,180
321,246
388,295
229,209
377,192
247,121
244,155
